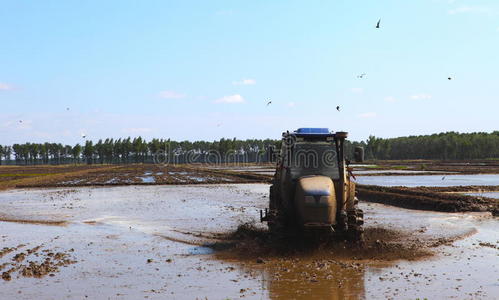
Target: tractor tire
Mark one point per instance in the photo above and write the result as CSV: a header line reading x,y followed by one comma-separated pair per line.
x,y
272,198
355,231
277,224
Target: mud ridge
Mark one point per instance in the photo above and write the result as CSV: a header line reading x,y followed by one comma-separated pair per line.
x,y
36,222
426,199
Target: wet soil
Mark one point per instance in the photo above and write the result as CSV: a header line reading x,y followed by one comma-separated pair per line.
x,y
430,198
139,174
119,175
160,242
249,242
34,262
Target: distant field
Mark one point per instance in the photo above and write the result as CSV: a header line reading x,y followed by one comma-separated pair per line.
x,y
85,175
149,174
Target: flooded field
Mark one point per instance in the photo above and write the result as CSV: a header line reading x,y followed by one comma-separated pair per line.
x,y
431,180
157,242
134,174
494,195
403,172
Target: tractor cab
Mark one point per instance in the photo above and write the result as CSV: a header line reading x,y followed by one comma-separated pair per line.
x,y
311,151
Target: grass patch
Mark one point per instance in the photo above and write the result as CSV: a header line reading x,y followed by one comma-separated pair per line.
x,y
399,167
24,175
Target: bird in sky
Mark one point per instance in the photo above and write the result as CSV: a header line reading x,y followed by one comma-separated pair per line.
x,y
338,108
270,102
450,78
361,75
67,108
83,135
443,178
377,24
20,121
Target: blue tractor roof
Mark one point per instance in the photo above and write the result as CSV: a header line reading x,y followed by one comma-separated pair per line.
x,y
314,131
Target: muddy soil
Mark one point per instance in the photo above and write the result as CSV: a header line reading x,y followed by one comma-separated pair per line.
x,y
34,262
160,242
250,242
117,175
429,198
138,174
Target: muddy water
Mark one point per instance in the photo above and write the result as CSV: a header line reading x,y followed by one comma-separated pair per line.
x,y
150,241
494,195
431,180
365,172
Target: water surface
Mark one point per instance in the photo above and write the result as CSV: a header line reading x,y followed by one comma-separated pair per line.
x,y
431,180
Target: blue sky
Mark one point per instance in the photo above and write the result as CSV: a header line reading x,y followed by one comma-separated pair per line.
x,y
206,69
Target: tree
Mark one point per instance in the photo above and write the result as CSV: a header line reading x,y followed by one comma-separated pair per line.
x,y
76,152
88,152
7,152
99,150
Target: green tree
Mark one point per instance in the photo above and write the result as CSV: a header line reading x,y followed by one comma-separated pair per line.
x,y
88,152
76,152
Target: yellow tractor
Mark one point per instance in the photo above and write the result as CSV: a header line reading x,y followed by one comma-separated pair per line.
x,y
311,190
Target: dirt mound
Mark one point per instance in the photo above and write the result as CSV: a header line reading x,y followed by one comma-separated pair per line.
x,y
34,263
254,243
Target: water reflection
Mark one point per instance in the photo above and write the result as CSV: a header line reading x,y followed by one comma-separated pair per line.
x,y
315,280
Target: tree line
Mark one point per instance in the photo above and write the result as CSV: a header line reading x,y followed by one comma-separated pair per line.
x,y
136,150
449,145
443,146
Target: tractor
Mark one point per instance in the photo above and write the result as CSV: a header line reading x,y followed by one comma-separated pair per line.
x,y
311,191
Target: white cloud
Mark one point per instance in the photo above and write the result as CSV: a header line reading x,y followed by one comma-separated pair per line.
x,y
368,115
245,82
5,87
471,9
291,104
421,97
357,90
171,95
390,99
231,99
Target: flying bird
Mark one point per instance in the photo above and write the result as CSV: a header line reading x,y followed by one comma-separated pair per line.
x,y
450,78
443,178
67,108
270,102
83,135
20,121
377,24
338,108
361,75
